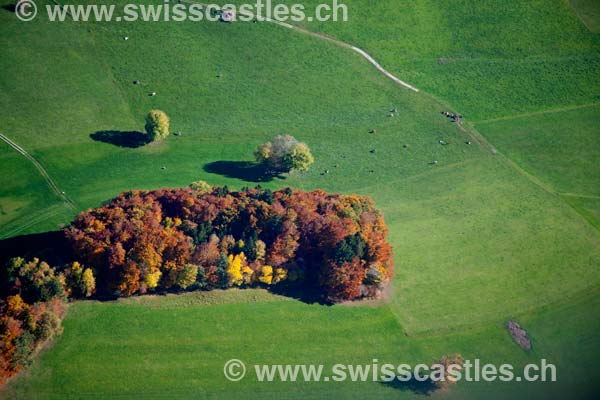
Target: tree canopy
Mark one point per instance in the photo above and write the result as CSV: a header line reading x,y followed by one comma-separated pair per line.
x,y
184,238
284,154
157,125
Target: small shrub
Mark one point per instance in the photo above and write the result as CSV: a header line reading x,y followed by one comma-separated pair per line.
x,y
88,282
201,187
48,326
23,351
445,371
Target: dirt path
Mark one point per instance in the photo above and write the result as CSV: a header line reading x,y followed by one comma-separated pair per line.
x,y
473,134
41,170
321,36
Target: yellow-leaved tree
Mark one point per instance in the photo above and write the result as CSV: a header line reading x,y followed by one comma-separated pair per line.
x,y
88,282
152,278
157,125
266,275
280,275
238,271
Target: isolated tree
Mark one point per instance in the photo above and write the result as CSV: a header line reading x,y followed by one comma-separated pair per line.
x,y
299,158
284,154
157,125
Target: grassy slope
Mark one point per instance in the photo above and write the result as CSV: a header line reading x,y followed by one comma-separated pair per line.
x,y
470,227
501,64
589,13
221,118
561,148
486,59
482,231
25,200
499,60
131,350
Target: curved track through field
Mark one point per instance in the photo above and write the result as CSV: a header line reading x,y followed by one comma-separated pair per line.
x,y
339,43
53,186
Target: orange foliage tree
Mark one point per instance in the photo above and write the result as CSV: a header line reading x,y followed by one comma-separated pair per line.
x,y
32,304
146,240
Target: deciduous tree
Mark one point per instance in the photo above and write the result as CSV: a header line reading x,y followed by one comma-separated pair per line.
x,y
284,154
157,125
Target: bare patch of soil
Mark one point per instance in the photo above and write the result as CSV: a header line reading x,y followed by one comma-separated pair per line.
x,y
519,335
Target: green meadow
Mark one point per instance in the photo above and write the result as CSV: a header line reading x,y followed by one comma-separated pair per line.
x,y
487,59
479,238
176,348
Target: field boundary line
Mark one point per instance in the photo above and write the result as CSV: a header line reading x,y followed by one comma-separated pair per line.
x,y
53,186
36,218
535,113
420,175
534,179
574,297
580,17
583,196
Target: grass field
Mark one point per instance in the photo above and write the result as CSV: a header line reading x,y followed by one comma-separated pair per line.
x,y
478,238
171,348
490,236
26,202
486,59
589,13
561,147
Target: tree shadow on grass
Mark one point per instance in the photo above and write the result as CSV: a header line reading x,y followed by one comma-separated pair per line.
x,y
245,170
9,7
51,247
131,139
423,388
54,248
305,293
